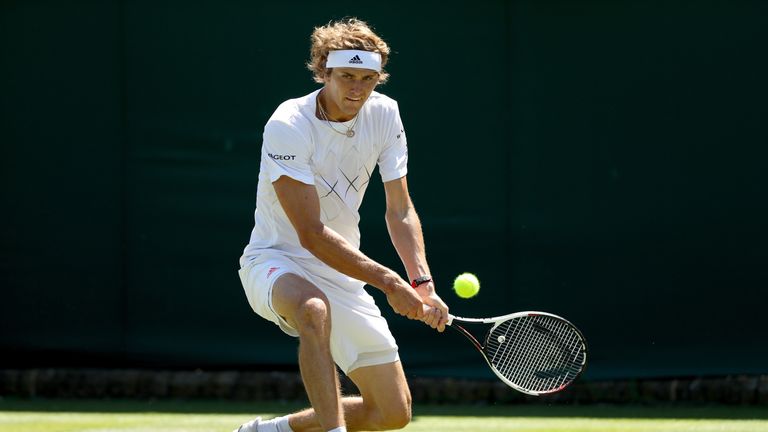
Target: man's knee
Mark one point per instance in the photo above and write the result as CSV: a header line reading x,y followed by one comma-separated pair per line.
x,y
396,414
399,418
313,315
386,396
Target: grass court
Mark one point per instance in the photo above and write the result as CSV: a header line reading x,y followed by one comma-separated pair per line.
x,y
56,415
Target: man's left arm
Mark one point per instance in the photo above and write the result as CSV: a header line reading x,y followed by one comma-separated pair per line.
x,y
405,231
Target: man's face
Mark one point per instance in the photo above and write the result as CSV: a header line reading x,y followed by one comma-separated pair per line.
x,y
346,90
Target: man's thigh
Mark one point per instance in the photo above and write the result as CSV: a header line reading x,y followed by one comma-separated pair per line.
x,y
383,386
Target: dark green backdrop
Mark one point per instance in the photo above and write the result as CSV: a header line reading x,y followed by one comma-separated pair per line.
x,y
603,160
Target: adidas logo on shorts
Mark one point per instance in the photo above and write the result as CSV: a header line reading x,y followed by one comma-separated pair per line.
x,y
272,270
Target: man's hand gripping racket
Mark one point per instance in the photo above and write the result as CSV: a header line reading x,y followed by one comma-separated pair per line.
x,y
533,352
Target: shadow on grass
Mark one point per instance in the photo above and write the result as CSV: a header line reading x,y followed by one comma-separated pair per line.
x,y
667,411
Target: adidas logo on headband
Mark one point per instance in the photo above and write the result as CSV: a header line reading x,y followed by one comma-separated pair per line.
x,y
354,59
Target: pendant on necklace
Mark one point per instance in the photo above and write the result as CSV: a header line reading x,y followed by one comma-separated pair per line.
x,y
350,133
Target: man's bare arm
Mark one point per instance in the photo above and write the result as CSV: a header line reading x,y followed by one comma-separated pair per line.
x,y
405,231
302,206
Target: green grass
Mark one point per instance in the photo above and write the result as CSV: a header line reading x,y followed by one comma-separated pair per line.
x,y
42,415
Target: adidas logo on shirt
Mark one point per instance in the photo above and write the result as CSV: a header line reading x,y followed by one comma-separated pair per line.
x,y
356,60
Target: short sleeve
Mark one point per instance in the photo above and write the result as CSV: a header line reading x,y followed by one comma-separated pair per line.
x,y
287,152
393,160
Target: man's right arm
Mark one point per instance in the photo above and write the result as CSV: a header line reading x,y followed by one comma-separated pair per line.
x,y
302,206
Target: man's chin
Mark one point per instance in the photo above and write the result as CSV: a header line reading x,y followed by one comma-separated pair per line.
x,y
352,107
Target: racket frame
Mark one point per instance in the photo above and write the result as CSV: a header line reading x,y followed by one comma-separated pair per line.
x,y
497,321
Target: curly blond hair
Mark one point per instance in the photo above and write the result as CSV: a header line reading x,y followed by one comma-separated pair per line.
x,y
345,34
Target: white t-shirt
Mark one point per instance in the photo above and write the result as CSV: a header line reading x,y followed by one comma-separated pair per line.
x,y
299,145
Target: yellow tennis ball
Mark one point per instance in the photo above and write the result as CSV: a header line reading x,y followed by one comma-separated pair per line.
x,y
466,285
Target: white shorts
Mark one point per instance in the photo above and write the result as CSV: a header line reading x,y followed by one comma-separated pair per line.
x,y
360,336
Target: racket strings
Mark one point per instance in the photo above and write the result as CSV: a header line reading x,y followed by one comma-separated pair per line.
x,y
553,367
525,360
537,353
516,363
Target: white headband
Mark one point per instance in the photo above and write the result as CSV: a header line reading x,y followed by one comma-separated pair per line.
x,y
354,59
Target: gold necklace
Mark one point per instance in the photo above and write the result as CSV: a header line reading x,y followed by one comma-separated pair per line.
x,y
350,129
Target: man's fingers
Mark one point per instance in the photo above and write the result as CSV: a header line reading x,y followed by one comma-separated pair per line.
x,y
432,316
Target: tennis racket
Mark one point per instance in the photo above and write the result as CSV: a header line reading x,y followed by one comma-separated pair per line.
x,y
533,352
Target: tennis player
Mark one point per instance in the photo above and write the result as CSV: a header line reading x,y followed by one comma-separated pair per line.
x,y
303,269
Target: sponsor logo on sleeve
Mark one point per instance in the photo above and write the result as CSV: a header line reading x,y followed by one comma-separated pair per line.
x,y
282,157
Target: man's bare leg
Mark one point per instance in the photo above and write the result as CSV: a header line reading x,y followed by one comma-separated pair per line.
x,y
306,309
385,403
